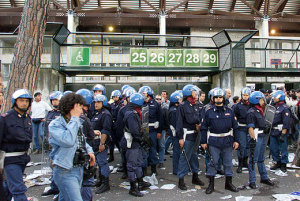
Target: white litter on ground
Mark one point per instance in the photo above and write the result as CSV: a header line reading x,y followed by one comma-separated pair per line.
x,y
235,163
152,180
226,197
153,187
111,168
285,197
218,176
190,190
168,186
289,165
291,157
114,171
243,198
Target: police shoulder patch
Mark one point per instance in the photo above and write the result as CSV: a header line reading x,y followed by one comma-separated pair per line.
x,y
4,115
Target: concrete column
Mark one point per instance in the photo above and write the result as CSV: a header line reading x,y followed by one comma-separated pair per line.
x,y
162,29
263,28
72,25
234,79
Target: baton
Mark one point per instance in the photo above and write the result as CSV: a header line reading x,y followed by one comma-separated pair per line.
x,y
210,158
186,158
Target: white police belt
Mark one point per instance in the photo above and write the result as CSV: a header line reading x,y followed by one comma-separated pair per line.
x,y
278,127
239,124
173,130
155,124
187,132
129,139
209,134
11,154
257,132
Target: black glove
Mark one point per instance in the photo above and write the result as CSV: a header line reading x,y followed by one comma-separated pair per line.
x,y
252,144
267,129
282,137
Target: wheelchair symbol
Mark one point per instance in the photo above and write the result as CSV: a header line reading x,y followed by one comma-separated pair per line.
x,y
79,57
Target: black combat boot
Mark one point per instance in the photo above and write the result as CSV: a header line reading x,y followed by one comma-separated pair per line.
x,y
99,181
283,167
211,185
142,185
124,175
134,190
181,184
104,185
240,167
229,185
245,162
253,185
196,180
111,156
121,168
153,170
268,182
276,166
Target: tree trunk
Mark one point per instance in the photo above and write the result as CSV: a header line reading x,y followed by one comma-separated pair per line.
x,y
297,154
28,49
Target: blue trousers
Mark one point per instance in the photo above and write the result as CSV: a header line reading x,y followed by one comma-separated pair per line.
x,y
86,189
101,159
279,150
37,129
161,146
219,165
135,162
153,158
259,158
183,167
176,154
243,150
68,182
216,153
14,185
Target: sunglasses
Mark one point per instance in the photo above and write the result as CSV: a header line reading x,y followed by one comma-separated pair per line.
x,y
158,99
218,96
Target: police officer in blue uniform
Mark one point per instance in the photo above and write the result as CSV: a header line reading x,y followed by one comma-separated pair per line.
x,y
155,124
257,140
134,153
102,125
15,139
219,131
175,100
115,107
280,127
120,127
240,110
98,89
54,97
187,125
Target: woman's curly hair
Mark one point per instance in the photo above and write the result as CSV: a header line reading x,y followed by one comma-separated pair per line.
x,y
67,102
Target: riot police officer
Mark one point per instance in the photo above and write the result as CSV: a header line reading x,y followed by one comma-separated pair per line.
x,y
155,124
15,139
54,97
102,125
134,154
240,111
280,127
187,125
97,89
120,127
257,140
219,131
175,99
115,107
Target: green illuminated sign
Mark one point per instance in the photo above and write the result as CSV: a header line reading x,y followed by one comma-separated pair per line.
x,y
79,56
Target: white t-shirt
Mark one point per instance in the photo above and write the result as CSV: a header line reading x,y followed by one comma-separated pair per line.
x,y
39,109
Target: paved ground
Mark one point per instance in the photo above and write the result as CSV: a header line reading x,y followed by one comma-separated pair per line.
x,y
288,184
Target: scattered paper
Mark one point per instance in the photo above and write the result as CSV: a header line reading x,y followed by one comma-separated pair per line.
x,y
153,187
243,198
125,185
144,192
190,190
291,170
152,180
289,165
291,157
226,197
114,171
168,186
32,176
111,168
286,197
218,176
235,163
47,189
